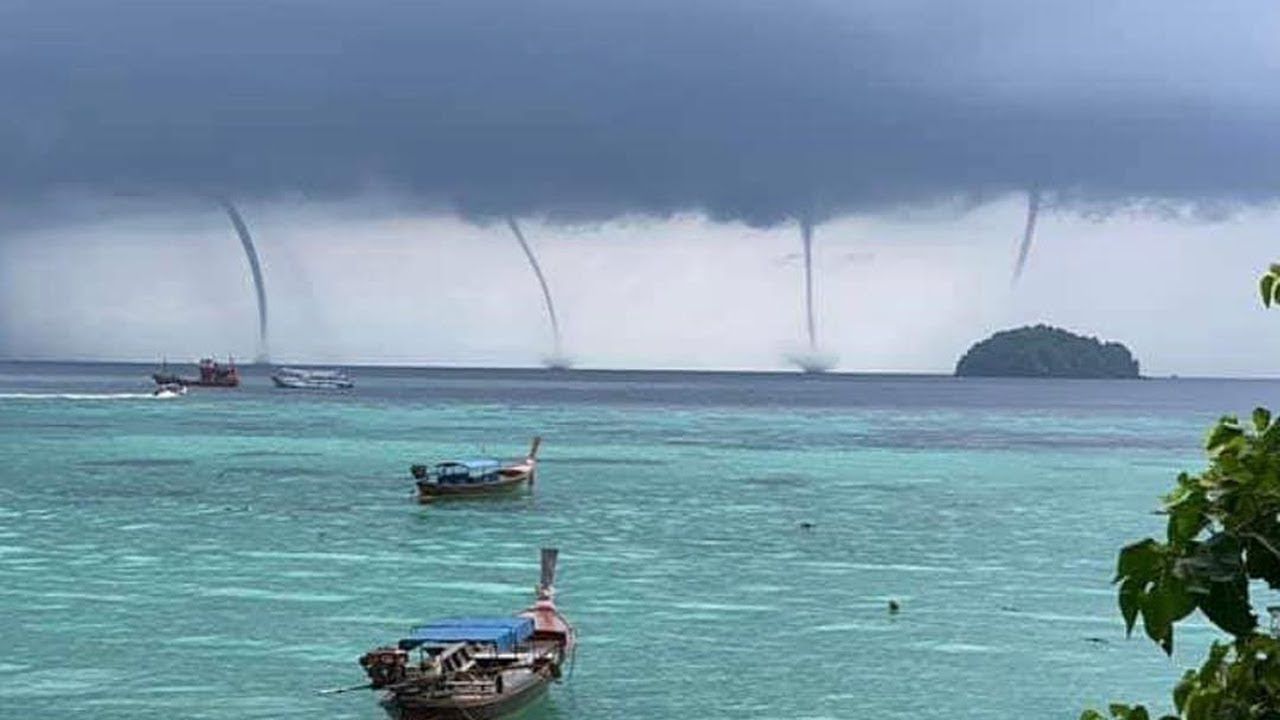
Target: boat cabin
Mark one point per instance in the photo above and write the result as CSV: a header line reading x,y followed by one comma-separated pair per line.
x,y
500,634
470,654
467,472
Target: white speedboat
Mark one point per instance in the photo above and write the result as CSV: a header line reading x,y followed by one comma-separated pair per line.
x,y
170,390
311,379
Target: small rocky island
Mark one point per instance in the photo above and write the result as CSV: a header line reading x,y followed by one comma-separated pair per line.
x,y
1048,352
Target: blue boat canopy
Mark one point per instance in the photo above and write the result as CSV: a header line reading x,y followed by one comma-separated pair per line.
x,y
475,465
503,632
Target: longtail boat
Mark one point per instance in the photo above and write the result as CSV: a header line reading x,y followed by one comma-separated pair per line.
x,y
475,667
477,476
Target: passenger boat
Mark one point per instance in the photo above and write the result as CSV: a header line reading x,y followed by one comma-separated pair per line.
x,y
212,374
475,667
311,379
477,476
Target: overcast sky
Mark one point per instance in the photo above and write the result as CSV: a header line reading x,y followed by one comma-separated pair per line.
x,y
660,153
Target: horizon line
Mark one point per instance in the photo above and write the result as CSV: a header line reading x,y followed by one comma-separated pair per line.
x,y
782,370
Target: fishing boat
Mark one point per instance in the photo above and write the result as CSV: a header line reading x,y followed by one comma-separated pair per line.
x,y
474,667
311,379
476,476
212,374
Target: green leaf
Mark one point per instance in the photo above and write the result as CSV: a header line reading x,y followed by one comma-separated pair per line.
x,y
1140,565
1183,689
1227,430
1130,598
1266,286
1125,712
1186,508
1157,624
1260,550
1141,560
1261,419
1165,604
1213,664
1176,601
1169,602
1225,557
1201,705
1227,606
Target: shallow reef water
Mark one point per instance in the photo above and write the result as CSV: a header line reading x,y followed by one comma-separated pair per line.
x,y
729,542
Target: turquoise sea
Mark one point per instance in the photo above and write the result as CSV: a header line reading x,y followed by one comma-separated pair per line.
x,y
228,554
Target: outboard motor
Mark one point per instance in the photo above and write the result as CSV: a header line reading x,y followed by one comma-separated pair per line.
x,y
385,666
419,472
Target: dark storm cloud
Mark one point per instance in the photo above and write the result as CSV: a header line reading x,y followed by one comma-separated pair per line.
x,y
745,110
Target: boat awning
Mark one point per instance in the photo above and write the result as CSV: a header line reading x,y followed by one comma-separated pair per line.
x,y
503,632
477,465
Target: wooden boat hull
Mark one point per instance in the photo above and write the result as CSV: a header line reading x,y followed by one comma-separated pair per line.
x,y
409,708
171,379
430,492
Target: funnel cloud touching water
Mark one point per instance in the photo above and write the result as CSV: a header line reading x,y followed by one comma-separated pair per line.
x,y
644,108
811,360
806,238
557,358
255,268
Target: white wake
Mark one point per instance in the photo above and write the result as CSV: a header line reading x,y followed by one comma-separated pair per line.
x,y
83,396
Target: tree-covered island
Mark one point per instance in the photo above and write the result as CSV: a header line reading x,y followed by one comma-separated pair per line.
x,y
1049,352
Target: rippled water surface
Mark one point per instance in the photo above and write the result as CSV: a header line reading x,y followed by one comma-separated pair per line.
x,y
228,554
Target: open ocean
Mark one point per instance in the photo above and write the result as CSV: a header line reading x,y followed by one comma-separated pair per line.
x,y
228,554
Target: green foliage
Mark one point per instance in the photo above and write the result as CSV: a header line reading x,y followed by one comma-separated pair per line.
x,y
1222,535
1222,531
1120,712
1239,681
1270,286
1044,351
